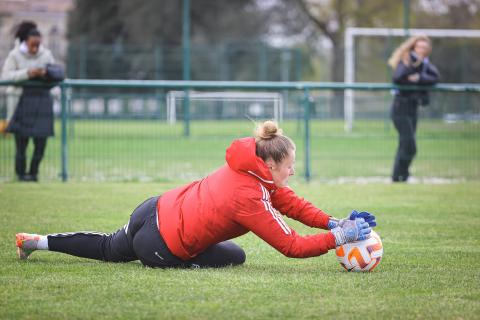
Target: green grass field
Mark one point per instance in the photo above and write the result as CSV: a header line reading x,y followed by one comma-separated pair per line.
x,y
151,150
430,268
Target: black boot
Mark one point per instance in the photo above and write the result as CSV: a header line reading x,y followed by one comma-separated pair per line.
x,y
38,151
30,178
20,163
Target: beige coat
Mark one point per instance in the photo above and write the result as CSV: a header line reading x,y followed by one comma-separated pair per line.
x,y
16,68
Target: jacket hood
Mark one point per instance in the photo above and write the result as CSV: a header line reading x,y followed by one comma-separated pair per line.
x,y
22,48
241,158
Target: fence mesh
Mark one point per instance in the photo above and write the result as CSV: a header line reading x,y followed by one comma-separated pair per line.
x,y
126,135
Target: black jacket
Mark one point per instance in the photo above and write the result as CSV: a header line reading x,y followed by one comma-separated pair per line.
x,y
428,76
33,116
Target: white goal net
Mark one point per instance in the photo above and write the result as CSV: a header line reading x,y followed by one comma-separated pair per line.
x,y
226,105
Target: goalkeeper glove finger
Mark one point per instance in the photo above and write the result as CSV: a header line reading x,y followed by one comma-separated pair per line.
x,y
351,230
333,223
367,216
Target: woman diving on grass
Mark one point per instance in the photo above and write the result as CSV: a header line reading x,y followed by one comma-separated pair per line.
x,y
191,226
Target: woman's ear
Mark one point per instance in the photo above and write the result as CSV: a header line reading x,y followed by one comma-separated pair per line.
x,y
270,163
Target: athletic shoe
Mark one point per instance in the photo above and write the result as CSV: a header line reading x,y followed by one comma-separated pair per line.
x,y
26,244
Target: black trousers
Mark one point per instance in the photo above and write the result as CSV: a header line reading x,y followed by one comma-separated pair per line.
x,y
140,240
404,117
21,143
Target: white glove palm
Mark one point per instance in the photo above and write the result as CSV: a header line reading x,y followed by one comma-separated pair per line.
x,y
351,230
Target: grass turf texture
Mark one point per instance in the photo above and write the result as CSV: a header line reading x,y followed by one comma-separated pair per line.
x,y
430,268
151,150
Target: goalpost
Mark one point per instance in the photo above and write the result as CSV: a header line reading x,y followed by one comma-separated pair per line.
x,y
257,101
352,33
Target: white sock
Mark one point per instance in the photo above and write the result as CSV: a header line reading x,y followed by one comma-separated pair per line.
x,y
42,243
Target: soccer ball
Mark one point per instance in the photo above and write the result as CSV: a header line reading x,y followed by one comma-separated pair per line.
x,y
362,255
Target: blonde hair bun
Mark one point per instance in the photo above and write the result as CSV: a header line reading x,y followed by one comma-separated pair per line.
x,y
267,130
270,143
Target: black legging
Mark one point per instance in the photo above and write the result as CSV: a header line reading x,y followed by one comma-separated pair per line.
x,y
21,143
404,117
140,240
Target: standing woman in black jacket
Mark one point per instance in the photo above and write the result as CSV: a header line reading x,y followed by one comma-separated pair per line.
x,y
411,67
33,116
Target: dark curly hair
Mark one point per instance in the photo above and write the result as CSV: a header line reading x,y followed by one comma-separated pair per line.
x,y
26,29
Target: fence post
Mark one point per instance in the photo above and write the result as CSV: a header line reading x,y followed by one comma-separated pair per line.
x,y
298,65
63,102
285,71
186,62
263,62
158,62
186,113
306,106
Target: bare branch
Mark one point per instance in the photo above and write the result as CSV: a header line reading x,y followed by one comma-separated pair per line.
x,y
322,25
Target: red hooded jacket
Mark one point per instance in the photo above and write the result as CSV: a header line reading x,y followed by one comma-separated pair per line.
x,y
235,199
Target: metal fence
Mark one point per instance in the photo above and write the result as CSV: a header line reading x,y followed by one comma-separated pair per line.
x,y
123,130
228,61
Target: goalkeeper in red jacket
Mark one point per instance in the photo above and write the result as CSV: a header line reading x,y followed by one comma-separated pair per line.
x,y
191,226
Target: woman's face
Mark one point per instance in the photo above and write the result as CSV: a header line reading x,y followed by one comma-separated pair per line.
x,y
33,43
283,170
422,48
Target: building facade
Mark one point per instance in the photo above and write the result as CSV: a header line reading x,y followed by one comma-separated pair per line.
x,y
49,15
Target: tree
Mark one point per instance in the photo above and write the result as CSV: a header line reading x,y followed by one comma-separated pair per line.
x,y
144,25
332,17
462,14
98,21
462,54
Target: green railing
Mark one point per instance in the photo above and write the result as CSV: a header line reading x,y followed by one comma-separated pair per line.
x,y
304,89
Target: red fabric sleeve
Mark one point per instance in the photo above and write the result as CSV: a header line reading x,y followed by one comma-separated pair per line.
x,y
289,204
258,215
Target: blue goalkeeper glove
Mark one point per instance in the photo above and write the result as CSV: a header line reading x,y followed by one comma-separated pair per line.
x,y
351,230
367,216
